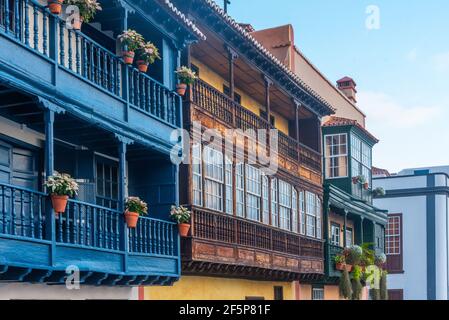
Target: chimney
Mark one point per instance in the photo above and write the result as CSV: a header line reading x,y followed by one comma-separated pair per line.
x,y
348,86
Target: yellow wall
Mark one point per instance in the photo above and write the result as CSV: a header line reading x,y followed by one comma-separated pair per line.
x,y
206,288
213,79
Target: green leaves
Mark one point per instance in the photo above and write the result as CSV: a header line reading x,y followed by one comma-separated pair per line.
x,y
186,75
135,204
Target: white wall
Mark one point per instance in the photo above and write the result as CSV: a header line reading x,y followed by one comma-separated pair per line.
x,y
23,291
414,279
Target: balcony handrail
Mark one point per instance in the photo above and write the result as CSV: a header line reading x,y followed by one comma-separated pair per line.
x,y
85,58
265,237
11,186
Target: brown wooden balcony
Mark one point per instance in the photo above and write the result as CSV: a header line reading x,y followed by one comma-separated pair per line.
x,y
226,244
233,115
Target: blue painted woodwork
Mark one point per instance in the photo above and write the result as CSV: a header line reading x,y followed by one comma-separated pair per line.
x,y
84,77
67,73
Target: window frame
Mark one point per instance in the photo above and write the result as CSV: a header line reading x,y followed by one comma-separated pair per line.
x,y
327,157
334,226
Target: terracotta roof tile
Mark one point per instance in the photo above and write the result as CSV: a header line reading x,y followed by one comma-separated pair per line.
x,y
340,122
380,172
267,53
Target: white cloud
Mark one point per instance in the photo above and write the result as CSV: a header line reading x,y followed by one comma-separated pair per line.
x,y
441,62
382,110
412,55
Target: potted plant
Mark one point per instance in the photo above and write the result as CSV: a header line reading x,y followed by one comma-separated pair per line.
x,y
146,55
358,179
366,185
60,187
182,216
186,77
340,263
134,207
357,286
379,192
353,254
131,41
87,10
55,6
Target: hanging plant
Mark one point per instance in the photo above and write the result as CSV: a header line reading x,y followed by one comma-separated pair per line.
x,y
134,207
146,55
357,286
383,286
353,254
181,216
131,42
379,192
345,286
87,10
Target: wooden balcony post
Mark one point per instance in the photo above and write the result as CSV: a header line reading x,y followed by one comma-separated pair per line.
x,y
362,236
344,228
50,230
297,106
122,146
268,84
232,56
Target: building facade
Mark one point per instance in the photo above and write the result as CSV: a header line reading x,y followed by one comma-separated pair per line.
x,y
254,235
417,238
349,216
68,103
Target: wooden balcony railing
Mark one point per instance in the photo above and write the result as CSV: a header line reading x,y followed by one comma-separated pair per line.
x,y
223,108
85,225
233,230
31,24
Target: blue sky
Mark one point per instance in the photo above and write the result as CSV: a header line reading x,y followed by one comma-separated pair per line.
x,y
401,69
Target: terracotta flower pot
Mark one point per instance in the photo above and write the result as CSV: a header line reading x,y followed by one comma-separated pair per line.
x,y
366,186
128,56
183,229
181,89
142,65
355,180
59,203
55,6
343,266
131,219
77,23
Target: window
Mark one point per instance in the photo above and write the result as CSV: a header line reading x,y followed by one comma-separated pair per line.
x,y
317,293
285,204
197,175
229,184
266,204
360,165
294,210
349,237
393,236
318,210
310,214
274,203
213,175
393,244
336,153
253,193
278,293
302,214
240,190
379,236
107,183
335,234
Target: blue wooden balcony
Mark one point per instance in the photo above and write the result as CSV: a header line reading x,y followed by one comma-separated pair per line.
x,y
92,238
43,57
